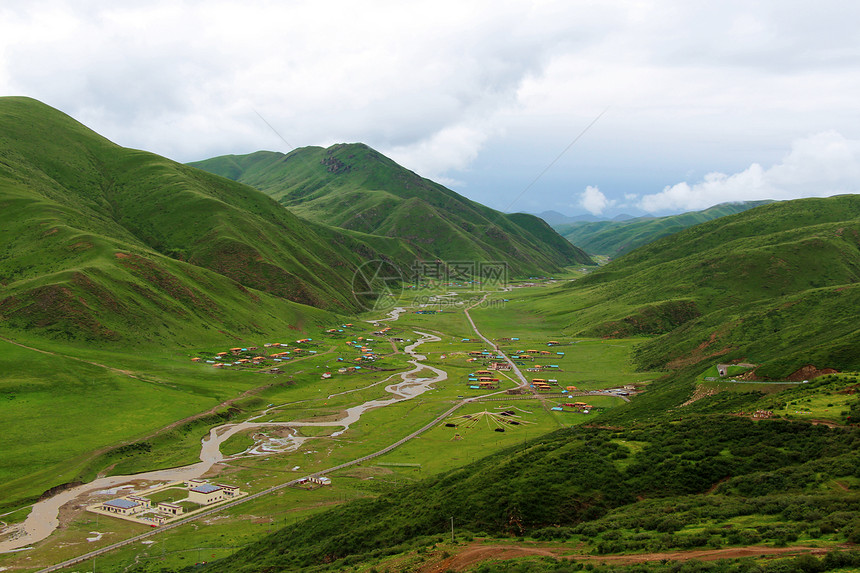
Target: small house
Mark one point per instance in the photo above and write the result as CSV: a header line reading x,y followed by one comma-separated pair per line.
x,y
205,494
123,506
170,508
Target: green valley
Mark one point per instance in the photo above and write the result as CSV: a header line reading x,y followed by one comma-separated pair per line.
x,y
615,238
690,406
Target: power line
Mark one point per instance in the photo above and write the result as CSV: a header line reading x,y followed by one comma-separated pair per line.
x,y
553,162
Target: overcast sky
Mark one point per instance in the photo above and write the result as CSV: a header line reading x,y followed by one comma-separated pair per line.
x,y
702,102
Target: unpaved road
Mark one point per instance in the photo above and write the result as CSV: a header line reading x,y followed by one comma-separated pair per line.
x,y
477,553
523,383
44,517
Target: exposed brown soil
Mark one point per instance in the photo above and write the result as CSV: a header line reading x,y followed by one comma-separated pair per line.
x,y
808,372
828,423
476,553
706,554
699,393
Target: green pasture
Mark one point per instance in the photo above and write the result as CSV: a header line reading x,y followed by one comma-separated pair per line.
x,y
818,407
91,408
299,393
237,443
220,534
172,494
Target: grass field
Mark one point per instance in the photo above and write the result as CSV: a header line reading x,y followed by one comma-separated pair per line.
x,y
300,394
166,380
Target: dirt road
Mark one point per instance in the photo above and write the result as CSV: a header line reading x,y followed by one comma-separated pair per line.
x,y
477,553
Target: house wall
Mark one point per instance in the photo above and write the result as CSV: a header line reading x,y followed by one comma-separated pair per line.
x,y
205,498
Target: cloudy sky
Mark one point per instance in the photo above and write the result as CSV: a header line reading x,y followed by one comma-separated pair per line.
x,y
599,107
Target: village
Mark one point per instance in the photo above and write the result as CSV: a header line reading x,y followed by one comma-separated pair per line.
x,y
273,354
337,370
167,502
494,363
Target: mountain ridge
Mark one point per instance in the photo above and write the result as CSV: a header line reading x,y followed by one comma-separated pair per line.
x,y
619,236
84,216
774,285
354,187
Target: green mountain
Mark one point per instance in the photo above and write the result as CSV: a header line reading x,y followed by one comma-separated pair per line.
x,y
604,490
103,242
776,285
356,188
614,238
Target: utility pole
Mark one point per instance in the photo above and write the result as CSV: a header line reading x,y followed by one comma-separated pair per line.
x,y
452,529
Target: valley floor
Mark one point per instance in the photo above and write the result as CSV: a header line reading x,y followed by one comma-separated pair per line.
x,y
410,411
305,434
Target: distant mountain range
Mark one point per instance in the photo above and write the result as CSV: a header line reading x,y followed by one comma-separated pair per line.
x,y
356,188
776,284
555,219
624,233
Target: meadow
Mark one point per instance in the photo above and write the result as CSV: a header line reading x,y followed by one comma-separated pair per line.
x,y
169,384
299,393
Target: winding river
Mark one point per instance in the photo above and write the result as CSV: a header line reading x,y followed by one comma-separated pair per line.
x,y
44,517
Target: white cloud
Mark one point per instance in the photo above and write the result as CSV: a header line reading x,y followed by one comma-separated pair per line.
x,y
594,201
184,79
821,165
485,91
450,148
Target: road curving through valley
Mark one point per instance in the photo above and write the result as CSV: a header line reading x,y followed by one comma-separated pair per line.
x,y
44,517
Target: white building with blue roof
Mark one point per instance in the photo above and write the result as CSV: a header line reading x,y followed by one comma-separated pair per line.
x,y
206,494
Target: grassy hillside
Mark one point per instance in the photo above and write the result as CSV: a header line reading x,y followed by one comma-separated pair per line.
x,y
707,482
774,286
356,188
103,242
615,238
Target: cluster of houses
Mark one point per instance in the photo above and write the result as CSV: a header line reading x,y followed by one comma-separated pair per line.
x,y
367,353
544,368
483,380
532,354
315,480
250,356
581,407
485,354
141,508
543,385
